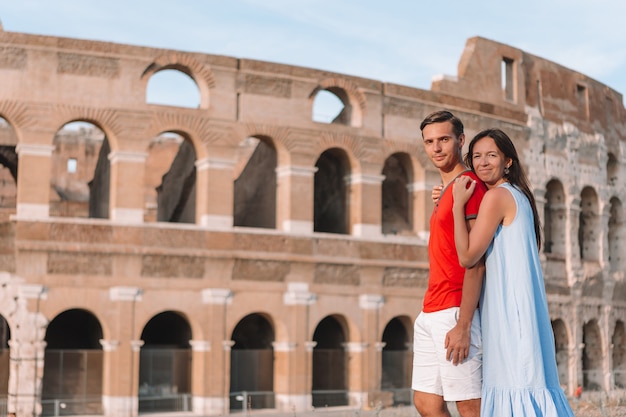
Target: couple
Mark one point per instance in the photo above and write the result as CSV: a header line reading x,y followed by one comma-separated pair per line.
x,y
512,326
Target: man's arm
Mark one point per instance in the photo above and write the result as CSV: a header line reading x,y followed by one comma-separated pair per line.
x,y
458,338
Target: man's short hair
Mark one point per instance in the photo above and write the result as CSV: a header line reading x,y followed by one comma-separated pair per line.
x,y
441,116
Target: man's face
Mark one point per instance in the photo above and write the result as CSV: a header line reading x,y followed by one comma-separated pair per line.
x,y
442,146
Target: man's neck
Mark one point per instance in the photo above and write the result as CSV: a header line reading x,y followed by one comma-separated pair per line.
x,y
449,175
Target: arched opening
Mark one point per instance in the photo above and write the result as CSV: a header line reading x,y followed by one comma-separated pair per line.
x,y
396,197
5,336
81,171
331,192
555,218
330,372
397,362
8,170
616,234
172,181
73,372
561,345
165,364
618,342
328,107
172,87
612,170
588,226
255,184
592,357
252,364
161,154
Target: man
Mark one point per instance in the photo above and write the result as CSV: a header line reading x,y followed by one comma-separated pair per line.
x,y
447,352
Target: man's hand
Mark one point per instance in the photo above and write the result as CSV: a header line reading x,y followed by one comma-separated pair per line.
x,y
458,343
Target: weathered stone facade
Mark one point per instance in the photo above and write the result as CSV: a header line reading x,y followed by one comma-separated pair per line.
x,y
266,231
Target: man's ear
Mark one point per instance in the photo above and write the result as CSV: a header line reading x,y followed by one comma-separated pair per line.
x,y
461,140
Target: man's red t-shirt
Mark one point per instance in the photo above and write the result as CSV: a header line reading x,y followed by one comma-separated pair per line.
x,y
445,281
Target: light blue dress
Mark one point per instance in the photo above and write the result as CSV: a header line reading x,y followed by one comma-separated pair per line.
x,y
520,377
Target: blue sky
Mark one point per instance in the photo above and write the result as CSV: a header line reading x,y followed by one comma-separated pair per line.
x,y
400,41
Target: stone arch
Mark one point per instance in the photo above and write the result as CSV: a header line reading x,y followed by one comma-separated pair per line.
x,y
80,171
397,207
592,356
170,179
330,365
331,205
255,183
618,345
562,348
196,130
8,169
166,341
252,366
589,230
73,363
612,170
176,191
616,234
19,116
397,356
200,73
555,219
353,99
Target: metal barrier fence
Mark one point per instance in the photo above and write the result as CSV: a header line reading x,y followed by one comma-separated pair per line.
x,y
72,406
329,398
166,403
3,407
251,400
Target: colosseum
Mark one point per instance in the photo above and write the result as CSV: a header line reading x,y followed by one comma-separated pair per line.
x,y
243,253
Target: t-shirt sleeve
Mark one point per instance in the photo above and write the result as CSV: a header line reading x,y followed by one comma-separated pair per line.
x,y
472,205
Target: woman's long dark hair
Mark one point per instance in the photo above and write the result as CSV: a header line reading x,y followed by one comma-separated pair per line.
x,y
516,175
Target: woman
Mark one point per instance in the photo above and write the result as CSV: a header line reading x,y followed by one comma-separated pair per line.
x,y
519,369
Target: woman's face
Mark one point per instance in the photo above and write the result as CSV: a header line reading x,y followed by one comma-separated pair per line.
x,y
489,162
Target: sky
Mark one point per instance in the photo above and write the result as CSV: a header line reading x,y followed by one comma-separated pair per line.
x,y
405,42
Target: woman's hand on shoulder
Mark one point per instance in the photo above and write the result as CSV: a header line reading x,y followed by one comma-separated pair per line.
x,y
462,189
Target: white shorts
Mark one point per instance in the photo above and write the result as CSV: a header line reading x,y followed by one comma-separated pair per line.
x,y
432,372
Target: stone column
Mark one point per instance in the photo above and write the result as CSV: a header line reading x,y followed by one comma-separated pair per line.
x,y
126,193
356,353
200,371
366,204
573,263
215,193
26,355
370,305
293,371
120,384
294,194
421,204
33,180
216,388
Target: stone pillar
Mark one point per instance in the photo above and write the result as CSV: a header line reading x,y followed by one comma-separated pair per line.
x,y
356,353
216,388
126,194
421,205
215,193
33,180
120,385
573,263
294,194
293,364
366,204
26,355
200,371
370,305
